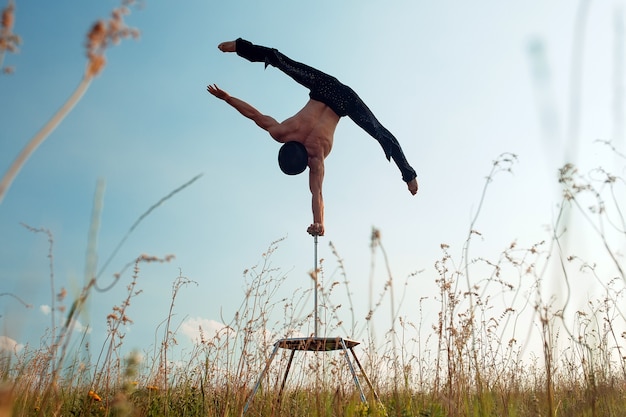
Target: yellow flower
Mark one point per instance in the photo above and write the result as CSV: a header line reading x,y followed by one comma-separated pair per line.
x,y
92,394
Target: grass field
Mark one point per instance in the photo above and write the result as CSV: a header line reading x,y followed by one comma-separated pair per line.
x,y
470,362
473,360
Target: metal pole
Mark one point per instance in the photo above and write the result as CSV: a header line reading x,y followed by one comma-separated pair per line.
x,y
369,383
258,383
282,386
354,377
315,277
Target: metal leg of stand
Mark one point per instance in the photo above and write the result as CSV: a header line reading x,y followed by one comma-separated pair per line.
x,y
258,383
364,375
356,379
282,386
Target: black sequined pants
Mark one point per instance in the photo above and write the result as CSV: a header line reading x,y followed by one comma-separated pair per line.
x,y
339,97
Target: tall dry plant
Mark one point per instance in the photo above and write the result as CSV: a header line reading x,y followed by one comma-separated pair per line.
x,y
38,380
108,367
168,341
103,34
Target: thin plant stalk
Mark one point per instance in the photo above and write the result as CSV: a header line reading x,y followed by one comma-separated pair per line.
x,y
38,139
99,38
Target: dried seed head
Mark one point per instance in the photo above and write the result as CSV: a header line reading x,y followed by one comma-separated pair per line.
x,y
96,63
9,41
8,18
102,34
96,38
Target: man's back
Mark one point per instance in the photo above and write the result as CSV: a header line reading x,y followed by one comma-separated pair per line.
x,y
313,126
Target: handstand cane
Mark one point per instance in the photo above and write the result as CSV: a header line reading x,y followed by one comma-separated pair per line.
x,y
315,279
314,344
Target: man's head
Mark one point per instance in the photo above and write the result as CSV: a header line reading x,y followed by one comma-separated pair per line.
x,y
293,158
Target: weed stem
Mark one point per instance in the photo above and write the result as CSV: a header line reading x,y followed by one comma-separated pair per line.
x,y
38,139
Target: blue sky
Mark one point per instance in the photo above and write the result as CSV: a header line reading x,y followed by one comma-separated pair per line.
x,y
454,82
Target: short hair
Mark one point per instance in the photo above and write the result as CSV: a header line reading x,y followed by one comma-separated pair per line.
x,y
293,158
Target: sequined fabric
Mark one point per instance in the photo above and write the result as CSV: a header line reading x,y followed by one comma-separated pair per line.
x,y
339,97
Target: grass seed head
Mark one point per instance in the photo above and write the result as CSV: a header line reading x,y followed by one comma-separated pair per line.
x,y
104,33
8,18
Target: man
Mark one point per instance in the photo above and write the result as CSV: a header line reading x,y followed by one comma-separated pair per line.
x,y
314,125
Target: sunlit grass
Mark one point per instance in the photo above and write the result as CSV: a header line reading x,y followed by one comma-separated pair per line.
x,y
472,360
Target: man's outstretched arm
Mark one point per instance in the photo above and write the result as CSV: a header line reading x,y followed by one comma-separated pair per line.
x,y
316,178
263,121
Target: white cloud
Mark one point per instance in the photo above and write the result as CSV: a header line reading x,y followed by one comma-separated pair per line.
x,y
78,327
198,328
8,344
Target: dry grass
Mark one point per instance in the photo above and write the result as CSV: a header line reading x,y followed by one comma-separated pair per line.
x,y
475,359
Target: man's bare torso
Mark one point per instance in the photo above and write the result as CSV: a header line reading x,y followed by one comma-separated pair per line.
x,y
313,126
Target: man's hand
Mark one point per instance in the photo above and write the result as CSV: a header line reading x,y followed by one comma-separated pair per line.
x,y
412,186
217,92
316,229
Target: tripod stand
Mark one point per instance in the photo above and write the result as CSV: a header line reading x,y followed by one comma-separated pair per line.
x,y
315,344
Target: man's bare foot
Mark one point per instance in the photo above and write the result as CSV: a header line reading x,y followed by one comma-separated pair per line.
x,y
230,46
412,186
316,229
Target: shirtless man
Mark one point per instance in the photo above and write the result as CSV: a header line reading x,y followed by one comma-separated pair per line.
x,y
314,125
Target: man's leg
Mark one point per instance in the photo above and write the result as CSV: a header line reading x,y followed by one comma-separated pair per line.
x,y
339,97
301,73
365,119
322,87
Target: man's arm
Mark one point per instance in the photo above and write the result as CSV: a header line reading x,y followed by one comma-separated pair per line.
x,y
263,121
316,177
